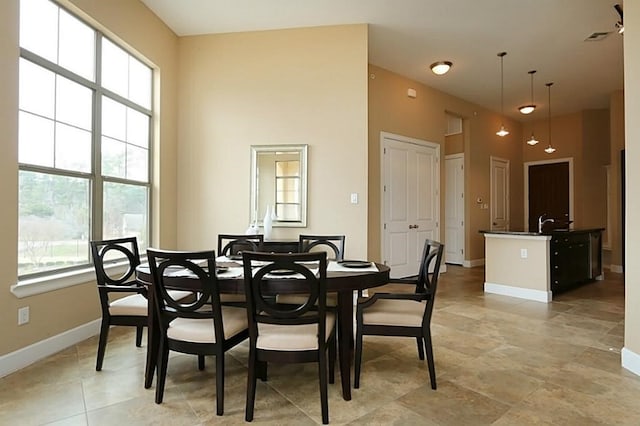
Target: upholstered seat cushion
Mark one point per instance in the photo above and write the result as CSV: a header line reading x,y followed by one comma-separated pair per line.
x,y
201,330
135,304
299,299
394,312
292,337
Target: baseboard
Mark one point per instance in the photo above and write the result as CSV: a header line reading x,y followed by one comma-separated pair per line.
x,y
615,268
473,263
631,361
26,356
521,293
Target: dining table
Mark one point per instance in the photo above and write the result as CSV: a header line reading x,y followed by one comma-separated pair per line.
x,y
341,280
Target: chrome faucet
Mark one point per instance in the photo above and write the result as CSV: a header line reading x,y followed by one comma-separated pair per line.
x,y
542,221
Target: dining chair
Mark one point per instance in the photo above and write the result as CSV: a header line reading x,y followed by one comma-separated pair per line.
x,y
403,314
235,244
288,332
130,310
332,244
201,325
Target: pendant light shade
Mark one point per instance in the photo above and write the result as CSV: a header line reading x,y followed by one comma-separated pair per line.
x,y
528,109
549,149
532,141
502,132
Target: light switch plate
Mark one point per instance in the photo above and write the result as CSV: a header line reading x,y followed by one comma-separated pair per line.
x,y
354,198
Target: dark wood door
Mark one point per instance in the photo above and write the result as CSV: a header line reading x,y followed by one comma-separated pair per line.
x,y
549,193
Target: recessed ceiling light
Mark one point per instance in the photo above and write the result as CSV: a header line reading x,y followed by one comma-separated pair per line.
x,y
441,67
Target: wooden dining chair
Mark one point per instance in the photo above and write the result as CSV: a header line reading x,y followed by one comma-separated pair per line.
x,y
288,332
403,314
235,244
200,325
130,310
332,244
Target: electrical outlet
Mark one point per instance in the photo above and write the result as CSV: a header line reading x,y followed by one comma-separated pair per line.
x,y
354,198
23,315
523,253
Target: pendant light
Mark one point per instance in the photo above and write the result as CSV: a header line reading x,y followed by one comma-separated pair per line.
x,y
528,109
502,132
549,149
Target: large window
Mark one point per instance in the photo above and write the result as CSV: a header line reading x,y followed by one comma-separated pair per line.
x,y
85,111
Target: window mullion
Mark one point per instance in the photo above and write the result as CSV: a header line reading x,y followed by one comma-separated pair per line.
x,y
97,186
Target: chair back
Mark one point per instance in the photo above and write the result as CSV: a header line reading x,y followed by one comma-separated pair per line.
x,y
265,282
427,282
235,244
112,251
182,270
332,244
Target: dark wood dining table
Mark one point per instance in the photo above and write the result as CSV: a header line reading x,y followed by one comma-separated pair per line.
x,y
342,283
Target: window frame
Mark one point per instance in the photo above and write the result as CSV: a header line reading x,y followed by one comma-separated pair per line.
x,y
61,277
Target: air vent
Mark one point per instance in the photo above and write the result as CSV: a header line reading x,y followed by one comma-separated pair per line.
x,y
597,36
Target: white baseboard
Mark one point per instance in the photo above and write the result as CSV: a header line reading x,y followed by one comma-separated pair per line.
x,y
26,356
521,293
473,263
616,268
631,361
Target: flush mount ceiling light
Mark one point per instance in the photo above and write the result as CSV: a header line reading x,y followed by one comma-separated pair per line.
x,y
441,67
502,132
528,109
549,149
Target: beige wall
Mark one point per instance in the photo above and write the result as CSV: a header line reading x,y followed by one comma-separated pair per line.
x,y
509,268
298,86
454,144
584,137
58,311
632,152
424,117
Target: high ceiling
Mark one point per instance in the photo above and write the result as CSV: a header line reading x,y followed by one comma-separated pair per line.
x,y
406,36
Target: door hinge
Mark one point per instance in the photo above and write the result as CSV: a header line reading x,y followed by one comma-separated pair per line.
x,y
461,251
385,226
437,224
384,188
462,195
462,223
384,150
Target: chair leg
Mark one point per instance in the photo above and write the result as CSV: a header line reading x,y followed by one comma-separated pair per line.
x,y
251,386
220,383
163,360
139,335
200,362
322,372
420,348
358,358
261,370
430,360
102,343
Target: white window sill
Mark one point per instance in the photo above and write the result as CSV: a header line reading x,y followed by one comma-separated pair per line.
x,y
33,286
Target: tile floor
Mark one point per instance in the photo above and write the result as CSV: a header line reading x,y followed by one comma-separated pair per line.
x,y
499,360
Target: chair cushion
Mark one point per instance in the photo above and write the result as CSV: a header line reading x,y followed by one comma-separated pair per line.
x,y
394,312
292,337
201,330
299,299
135,304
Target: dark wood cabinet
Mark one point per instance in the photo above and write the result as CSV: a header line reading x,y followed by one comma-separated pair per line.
x,y
575,258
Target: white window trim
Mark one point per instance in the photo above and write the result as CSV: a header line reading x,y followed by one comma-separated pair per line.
x,y
33,286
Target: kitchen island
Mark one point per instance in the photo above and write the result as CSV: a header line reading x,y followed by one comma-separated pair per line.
x,y
533,265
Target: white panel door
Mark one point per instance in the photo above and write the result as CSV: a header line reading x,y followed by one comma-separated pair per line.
x,y
411,174
499,194
454,209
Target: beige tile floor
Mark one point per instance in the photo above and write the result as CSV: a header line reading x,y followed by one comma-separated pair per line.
x,y
499,360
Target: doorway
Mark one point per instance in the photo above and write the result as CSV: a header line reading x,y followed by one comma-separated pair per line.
x,y
454,209
549,192
410,200
499,194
